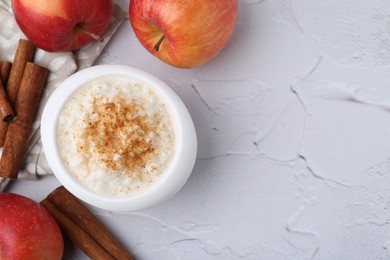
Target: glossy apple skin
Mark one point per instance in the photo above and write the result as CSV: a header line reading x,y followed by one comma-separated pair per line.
x,y
27,230
195,30
51,24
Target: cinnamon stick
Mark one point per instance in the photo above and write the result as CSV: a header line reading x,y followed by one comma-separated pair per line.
x,y
3,132
6,111
73,211
24,53
31,87
76,234
5,69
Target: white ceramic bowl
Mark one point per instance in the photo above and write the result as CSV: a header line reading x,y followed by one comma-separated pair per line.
x,y
171,181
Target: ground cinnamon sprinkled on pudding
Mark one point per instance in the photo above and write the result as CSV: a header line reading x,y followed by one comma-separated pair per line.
x,y
116,136
119,135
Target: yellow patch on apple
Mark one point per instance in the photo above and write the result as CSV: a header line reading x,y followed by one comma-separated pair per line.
x,y
53,8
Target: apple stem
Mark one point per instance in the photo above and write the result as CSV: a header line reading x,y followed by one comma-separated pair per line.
x,y
158,43
91,34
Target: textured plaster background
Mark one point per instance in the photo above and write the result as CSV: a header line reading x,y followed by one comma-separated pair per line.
x,y
293,121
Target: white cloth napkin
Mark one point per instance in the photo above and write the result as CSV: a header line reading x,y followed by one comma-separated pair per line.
x,y
61,66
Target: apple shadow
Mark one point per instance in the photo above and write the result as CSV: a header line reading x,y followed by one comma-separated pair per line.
x,y
72,252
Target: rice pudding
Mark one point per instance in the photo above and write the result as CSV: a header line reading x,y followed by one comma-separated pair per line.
x,y
116,136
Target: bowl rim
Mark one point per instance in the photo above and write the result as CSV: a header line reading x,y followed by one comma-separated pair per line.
x,y
170,183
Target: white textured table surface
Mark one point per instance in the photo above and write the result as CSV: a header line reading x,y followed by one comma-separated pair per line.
x,y
293,121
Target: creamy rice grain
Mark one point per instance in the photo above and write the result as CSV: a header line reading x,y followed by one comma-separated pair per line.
x,y
116,136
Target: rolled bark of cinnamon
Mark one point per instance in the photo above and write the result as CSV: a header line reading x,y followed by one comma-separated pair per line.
x,y
6,111
81,225
31,87
76,234
24,53
5,69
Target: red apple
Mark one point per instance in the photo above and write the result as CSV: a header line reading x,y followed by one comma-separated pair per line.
x,y
183,33
27,230
62,25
